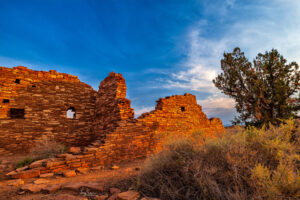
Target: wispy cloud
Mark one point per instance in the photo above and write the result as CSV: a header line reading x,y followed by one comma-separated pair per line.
x,y
140,110
275,26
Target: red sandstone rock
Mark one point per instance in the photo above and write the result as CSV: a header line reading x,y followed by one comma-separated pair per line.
x,y
41,181
22,169
26,174
16,182
36,164
101,197
113,197
115,167
69,173
78,185
51,188
107,111
82,170
69,197
114,190
33,188
74,150
47,175
129,195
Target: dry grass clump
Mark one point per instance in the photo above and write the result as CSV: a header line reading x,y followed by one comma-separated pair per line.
x,y
250,164
44,148
47,148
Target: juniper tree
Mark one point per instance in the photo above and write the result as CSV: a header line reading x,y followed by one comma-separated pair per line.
x,y
266,90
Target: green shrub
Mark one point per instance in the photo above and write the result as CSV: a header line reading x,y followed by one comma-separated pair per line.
x,y
251,164
25,161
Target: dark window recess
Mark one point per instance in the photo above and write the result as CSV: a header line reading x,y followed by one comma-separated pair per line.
x,y
5,101
182,108
17,81
16,113
71,113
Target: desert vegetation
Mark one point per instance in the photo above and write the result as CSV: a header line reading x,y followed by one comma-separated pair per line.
x,y
265,91
43,148
251,164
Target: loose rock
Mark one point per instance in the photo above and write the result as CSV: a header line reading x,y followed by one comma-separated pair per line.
x,y
129,195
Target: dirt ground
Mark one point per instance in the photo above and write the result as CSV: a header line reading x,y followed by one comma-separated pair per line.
x,y
122,178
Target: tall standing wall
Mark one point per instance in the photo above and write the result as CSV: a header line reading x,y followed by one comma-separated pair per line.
x,y
34,104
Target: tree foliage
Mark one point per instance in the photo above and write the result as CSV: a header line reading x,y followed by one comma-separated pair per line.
x,y
266,90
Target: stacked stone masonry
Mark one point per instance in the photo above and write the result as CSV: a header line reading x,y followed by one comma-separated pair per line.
x,y
104,125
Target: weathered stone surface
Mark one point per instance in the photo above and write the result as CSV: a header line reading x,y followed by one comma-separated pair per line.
x,y
69,197
114,190
69,173
82,170
45,98
101,197
33,188
47,175
149,198
129,195
33,104
41,181
16,182
74,150
26,174
51,188
115,167
77,185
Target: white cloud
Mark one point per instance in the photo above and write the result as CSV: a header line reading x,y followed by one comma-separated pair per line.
x,y
275,26
216,106
141,110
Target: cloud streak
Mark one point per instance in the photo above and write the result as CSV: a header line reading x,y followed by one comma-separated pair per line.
x,y
275,26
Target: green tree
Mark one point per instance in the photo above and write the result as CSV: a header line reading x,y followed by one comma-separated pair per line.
x,y
266,90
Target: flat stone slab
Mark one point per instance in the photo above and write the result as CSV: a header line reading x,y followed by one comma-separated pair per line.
x,y
69,173
69,197
41,181
33,188
78,185
52,188
25,174
16,182
129,195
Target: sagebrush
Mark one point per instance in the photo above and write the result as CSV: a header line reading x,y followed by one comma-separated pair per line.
x,y
251,164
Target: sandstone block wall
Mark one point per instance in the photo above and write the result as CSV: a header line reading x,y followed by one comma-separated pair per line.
x,y
34,103
111,106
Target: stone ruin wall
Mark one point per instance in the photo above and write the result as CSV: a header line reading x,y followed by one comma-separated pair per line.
x,y
111,106
109,131
45,98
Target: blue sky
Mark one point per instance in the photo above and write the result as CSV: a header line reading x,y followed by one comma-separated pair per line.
x,y
162,47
